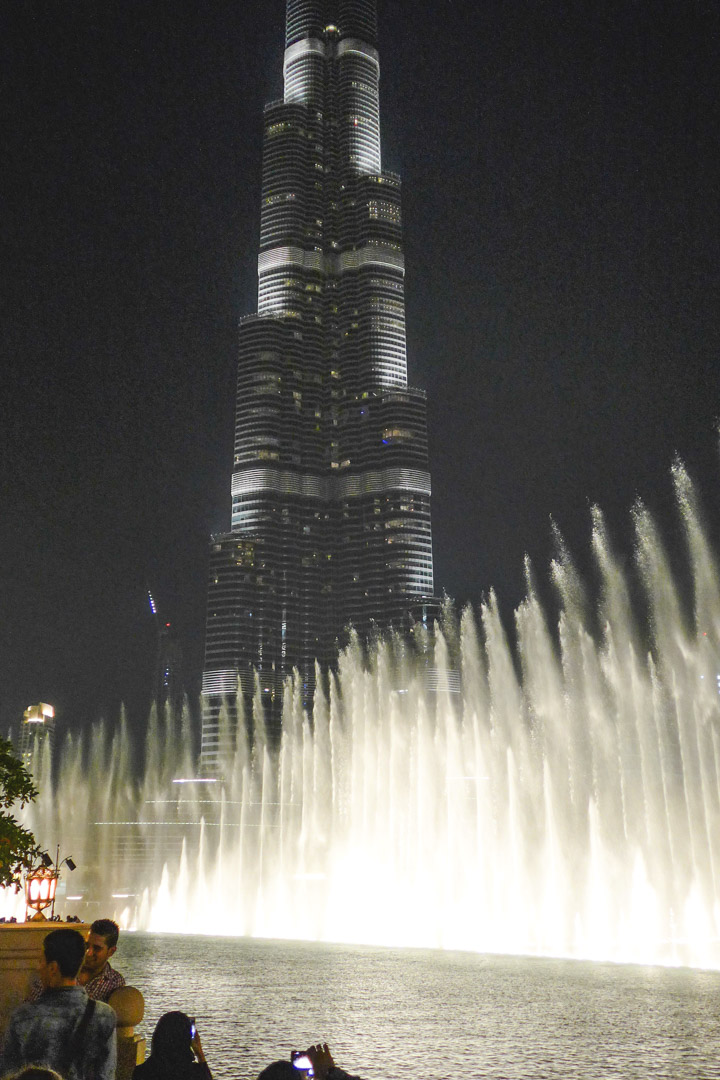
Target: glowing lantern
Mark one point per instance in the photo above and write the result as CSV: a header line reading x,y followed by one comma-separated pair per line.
x,y
40,886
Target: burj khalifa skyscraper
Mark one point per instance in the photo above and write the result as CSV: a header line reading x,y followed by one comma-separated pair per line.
x,y
330,526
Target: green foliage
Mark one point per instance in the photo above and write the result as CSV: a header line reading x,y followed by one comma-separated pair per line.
x,y
18,848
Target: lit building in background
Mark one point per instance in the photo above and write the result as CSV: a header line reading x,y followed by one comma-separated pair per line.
x,y
330,524
36,730
168,680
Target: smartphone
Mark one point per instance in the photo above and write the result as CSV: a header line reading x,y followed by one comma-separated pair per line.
x,y
302,1061
193,1029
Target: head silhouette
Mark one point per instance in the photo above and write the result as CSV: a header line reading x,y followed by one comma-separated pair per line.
x,y
35,1072
280,1070
171,1039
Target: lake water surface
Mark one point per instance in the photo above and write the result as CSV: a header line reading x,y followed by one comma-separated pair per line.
x,y
408,1014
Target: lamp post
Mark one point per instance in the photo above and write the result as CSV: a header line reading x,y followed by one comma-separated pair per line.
x,y
67,861
41,884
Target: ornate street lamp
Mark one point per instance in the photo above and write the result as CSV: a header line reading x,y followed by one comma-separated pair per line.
x,y
41,885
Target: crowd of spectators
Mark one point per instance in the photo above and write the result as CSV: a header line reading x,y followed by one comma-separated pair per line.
x,y
66,1030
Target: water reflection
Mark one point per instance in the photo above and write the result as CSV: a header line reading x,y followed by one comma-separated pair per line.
x,y
400,1015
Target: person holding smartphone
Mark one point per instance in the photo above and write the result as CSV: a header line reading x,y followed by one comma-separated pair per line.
x,y
315,1063
176,1051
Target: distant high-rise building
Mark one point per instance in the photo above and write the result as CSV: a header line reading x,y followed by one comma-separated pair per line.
x,y
330,485
36,729
168,682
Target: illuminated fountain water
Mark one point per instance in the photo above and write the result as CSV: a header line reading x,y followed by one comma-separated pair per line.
x,y
572,809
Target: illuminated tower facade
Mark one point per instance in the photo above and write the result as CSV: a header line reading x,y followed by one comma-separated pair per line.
x,y
37,730
330,485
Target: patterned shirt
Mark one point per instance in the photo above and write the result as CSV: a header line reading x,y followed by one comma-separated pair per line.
x,y
102,986
39,1034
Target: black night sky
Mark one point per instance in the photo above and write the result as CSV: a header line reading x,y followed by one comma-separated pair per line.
x,y
561,178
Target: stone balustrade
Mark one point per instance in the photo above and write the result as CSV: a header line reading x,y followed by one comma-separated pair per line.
x,y
129,1004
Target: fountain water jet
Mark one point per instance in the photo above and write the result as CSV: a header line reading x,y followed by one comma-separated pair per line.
x,y
569,810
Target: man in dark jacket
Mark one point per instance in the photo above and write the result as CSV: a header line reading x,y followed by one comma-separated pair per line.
x,y
64,1030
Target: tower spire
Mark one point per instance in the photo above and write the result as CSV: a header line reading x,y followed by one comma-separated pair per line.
x,y
309,18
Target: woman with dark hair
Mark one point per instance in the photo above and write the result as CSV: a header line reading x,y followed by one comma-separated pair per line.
x,y
176,1052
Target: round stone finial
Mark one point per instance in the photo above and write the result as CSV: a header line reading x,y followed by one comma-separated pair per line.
x,y
129,1004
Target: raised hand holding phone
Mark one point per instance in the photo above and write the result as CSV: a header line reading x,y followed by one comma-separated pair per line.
x,y
321,1060
302,1061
